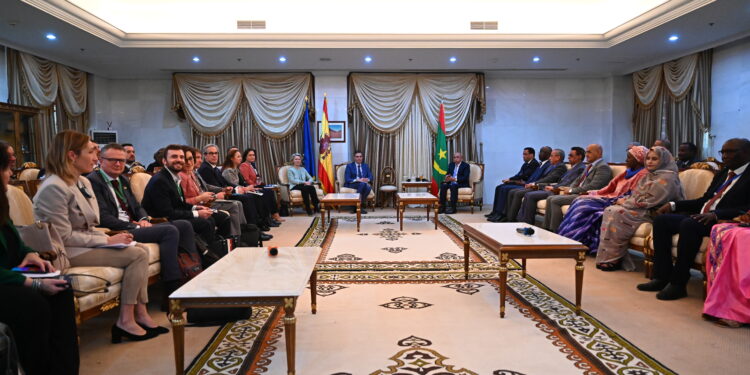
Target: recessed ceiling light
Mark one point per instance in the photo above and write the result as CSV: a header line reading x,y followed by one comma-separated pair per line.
x,y
196,59
674,38
368,59
282,59
536,59
51,36
453,59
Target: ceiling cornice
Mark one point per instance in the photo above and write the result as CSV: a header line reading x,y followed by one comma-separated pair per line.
x,y
93,25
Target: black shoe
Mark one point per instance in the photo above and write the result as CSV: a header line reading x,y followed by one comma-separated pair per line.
x,y
654,285
265,236
672,292
441,210
363,211
118,333
450,210
274,224
491,214
158,329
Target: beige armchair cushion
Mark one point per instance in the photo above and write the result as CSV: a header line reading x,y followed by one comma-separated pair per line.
x,y
21,210
564,209
29,174
475,176
700,258
138,182
618,170
641,235
695,182
292,196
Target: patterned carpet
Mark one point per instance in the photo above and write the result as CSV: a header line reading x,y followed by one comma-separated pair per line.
x,y
395,302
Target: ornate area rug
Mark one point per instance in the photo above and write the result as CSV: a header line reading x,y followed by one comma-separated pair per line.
x,y
402,307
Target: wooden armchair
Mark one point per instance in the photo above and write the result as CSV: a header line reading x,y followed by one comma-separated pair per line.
x,y
472,194
339,178
292,197
388,185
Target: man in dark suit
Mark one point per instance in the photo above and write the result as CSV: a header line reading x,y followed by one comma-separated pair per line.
x,y
254,209
727,197
163,198
119,210
456,178
502,192
687,154
530,164
358,176
555,171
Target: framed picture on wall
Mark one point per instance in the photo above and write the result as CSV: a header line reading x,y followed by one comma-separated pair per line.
x,y
337,129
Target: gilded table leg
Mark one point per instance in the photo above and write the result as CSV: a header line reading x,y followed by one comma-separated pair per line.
x,y
401,214
579,280
503,281
290,332
466,256
178,335
523,268
428,212
435,207
314,290
359,214
323,215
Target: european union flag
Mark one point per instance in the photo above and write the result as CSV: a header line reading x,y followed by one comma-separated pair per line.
x,y
308,145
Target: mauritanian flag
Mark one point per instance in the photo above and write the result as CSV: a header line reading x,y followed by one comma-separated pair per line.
x,y
440,161
325,167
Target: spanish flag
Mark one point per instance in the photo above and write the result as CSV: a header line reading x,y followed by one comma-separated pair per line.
x,y
325,167
440,162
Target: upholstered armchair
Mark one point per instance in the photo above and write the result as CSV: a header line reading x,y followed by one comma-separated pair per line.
x,y
472,194
339,178
387,186
138,182
292,197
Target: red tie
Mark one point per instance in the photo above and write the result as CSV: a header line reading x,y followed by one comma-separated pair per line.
x,y
719,193
584,175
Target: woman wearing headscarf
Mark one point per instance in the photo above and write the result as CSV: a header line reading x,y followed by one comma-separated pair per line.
x,y
621,220
584,217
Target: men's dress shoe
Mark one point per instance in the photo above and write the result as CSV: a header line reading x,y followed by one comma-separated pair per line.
x,y
264,228
495,219
118,334
265,236
441,210
654,285
274,224
363,211
491,214
158,329
672,292
450,210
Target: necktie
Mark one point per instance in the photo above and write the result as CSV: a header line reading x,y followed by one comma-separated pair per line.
x,y
359,170
179,191
120,201
584,175
719,193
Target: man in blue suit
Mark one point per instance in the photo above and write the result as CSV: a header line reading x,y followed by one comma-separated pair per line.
x,y
358,176
457,177
501,191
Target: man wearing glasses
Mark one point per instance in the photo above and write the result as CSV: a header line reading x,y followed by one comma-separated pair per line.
x,y
120,211
456,178
727,197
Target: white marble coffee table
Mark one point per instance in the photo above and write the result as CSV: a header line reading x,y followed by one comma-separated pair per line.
x,y
507,243
245,277
405,199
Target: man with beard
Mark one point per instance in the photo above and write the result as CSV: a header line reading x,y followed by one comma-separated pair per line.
x,y
130,159
163,197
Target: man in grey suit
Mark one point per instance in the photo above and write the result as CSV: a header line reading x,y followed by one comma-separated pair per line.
x,y
556,170
527,213
596,176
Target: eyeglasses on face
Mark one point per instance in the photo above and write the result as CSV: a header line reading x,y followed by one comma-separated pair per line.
x,y
212,153
114,160
728,151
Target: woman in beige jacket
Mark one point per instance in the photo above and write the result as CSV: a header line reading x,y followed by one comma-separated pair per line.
x,y
67,201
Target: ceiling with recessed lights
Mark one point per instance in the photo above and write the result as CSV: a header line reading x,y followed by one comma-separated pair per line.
x,y
571,38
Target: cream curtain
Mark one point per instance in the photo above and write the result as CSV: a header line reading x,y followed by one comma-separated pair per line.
x,y
261,111
58,90
393,118
210,101
673,100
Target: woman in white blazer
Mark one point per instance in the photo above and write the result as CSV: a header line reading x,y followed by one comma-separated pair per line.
x,y
67,201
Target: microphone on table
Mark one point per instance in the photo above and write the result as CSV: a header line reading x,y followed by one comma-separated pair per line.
x,y
273,251
528,231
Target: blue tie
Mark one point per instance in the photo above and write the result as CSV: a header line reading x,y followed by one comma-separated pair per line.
x,y
359,170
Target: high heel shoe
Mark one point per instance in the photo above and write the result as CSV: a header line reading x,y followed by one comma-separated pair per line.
x,y
158,329
118,333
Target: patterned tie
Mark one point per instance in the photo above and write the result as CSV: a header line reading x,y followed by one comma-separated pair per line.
x,y
584,175
719,193
123,205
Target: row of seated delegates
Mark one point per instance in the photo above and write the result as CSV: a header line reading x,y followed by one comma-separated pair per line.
x,y
164,198
530,171
456,177
39,312
255,211
583,220
231,171
198,192
66,200
357,176
120,211
596,176
552,172
620,220
300,179
727,197
542,190
249,171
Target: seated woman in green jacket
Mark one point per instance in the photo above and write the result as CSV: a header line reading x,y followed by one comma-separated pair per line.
x,y
39,312
300,179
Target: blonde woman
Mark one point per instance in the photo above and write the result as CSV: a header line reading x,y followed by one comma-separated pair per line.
x,y
67,201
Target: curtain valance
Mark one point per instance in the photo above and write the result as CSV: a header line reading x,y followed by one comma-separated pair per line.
x,y
45,80
677,75
211,101
386,99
